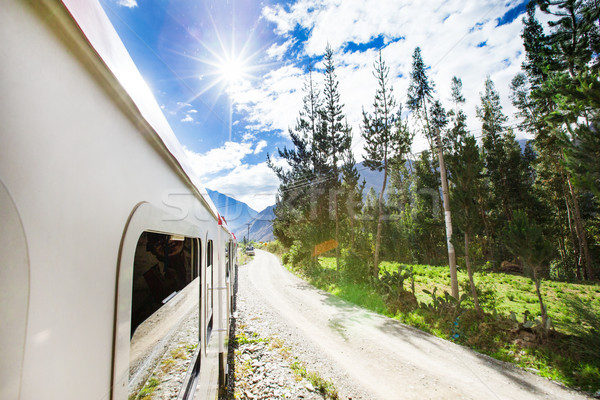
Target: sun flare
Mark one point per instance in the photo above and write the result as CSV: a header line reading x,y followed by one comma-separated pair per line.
x,y
232,70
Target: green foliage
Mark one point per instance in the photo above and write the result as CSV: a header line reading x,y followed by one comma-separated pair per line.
x,y
275,247
393,283
298,256
567,354
148,388
356,265
321,385
525,239
445,303
487,295
420,90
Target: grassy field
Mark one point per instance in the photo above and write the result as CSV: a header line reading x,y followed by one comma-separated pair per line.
x,y
569,354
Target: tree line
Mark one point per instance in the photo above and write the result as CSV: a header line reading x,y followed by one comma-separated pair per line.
x,y
536,207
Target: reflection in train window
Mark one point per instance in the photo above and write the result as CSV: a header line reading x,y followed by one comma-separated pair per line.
x,y
210,286
163,266
164,308
227,266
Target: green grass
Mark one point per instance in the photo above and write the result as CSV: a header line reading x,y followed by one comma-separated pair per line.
x,y
321,385
514,293
148,389
571,354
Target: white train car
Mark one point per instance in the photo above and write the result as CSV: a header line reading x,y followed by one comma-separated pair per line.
x,y
115,272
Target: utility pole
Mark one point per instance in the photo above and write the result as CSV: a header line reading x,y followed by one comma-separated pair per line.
x,y
248,237
447,216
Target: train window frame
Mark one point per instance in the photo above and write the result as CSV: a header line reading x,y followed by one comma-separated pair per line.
x,y
210,297
14,291
143,217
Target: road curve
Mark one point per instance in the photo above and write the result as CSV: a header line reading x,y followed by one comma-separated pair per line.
x,y
386,359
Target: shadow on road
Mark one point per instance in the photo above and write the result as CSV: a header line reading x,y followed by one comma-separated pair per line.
x,y
349,313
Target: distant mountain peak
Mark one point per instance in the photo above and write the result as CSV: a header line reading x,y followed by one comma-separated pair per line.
x,y
239,215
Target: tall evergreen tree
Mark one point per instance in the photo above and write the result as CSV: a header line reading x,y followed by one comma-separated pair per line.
x,y
525,240
336,135
387,141
506,168
420,94
493,120
299,211
466,171
560,65
574,33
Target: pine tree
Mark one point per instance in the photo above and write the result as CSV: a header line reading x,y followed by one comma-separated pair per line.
x,y
507,170
574,37
299,211
493,119
466,171
525,240
387,141
336,135
560,65
420,93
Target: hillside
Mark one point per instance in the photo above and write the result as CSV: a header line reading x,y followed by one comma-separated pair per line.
x,y
261,229
236,213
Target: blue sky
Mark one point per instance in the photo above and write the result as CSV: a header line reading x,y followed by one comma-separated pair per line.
x,y
229,74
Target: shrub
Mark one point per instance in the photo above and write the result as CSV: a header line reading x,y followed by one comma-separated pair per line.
x,y
355,266
298,254
487,295
275,247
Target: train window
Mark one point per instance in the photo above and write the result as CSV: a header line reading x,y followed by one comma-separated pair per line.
x,y
227,246
165,311
209,288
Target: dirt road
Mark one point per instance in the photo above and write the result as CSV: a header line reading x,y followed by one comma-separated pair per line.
x,y
378,357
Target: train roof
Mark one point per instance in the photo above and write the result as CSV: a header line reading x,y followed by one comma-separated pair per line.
x,y
101,35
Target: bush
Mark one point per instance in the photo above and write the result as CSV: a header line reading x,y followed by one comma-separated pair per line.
x,y
486,295
275,247
355,266
298,256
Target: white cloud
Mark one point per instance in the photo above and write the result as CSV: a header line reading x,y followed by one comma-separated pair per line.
x,y
248,136
260,146
277,51
187,118
273,103
255,185
127,3
450,35
217,160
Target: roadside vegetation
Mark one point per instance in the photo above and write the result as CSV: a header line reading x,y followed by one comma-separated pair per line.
x,y
509,329
519,220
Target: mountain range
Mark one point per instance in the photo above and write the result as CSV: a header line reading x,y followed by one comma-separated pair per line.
x,y
244,221
239,215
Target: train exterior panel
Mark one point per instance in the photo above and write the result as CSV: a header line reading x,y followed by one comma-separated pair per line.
x,y
92,179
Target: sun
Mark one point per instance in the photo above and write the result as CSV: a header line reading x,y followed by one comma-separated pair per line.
x,y
233,70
